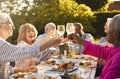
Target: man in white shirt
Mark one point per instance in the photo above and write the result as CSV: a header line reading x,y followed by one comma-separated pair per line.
x,y
78,48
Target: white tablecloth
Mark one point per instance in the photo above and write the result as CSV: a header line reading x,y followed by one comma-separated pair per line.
x,y
81,72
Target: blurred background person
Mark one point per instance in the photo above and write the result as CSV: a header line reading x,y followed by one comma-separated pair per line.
x,y
10,53
79,31
103,42
86,36
50,32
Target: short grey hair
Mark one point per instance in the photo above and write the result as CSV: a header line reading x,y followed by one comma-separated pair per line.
x,y
5,18
50,24
115,22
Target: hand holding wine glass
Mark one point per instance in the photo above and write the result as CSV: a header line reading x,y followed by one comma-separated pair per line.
x,y
70,29
60,30
52,34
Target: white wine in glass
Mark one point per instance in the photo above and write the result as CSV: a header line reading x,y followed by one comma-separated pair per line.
x,y
70,28
61,30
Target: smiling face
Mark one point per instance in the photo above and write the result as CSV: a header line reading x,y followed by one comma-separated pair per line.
x,y
29,35
78,28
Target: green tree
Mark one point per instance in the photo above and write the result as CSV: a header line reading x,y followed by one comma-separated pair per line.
x,y
72,12
43,13
57,11
95,5
60,12
18,11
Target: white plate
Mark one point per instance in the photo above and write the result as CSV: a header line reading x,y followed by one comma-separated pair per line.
x,y
57,61
60,71
34,75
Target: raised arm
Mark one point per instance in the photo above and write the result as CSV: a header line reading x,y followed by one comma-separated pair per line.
x,y
11,52
91,49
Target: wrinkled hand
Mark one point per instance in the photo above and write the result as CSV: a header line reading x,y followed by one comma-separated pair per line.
x,y
64,40
55,41
52,42
75,38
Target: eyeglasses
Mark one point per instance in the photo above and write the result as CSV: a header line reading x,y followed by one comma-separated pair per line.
x,y
8,23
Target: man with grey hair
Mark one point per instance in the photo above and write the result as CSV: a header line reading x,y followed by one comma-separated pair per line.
x,y
9,52
49,26
50,31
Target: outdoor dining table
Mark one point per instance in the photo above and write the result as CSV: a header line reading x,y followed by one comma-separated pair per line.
x,y
45,71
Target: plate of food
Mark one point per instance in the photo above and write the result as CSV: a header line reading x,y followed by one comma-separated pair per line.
x,y
52,62
86,64
64,67
19,75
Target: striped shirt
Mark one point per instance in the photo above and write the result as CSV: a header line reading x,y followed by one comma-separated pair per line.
x,y
10,53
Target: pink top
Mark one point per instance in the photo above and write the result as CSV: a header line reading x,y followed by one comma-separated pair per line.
x,y
25,62
111,69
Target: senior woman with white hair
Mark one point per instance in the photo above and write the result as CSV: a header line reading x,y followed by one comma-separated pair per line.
x,y
111,69
9,52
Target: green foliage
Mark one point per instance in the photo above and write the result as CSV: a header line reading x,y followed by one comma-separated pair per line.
x,y
43,13
57,11
60,12
95,5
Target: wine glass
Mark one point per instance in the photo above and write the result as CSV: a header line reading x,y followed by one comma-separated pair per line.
x,y
61,30
70,29
52,35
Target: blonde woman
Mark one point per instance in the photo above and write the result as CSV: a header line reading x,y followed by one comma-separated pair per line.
x,y
27,36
